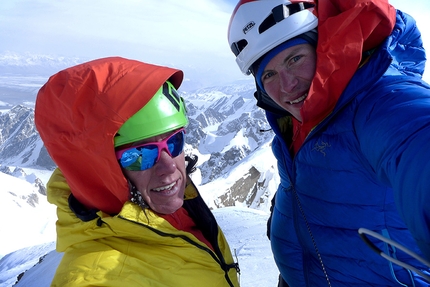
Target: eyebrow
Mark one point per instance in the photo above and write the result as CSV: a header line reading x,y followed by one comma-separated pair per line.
x,y
292,53
296,50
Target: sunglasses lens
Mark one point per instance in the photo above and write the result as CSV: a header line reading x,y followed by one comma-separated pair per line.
x,y
144,157
130,159
149,156
139,158
176,144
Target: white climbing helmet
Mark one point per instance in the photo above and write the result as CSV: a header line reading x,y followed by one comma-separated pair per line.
x,y
258,26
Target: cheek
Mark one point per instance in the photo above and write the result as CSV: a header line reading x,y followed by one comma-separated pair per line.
x,y
180,163
308,71
139,179
272,90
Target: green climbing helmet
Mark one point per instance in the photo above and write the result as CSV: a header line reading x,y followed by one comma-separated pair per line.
x,y
165,112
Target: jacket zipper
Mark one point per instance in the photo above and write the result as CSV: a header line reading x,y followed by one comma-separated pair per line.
x,y
310,134
224,266
299,205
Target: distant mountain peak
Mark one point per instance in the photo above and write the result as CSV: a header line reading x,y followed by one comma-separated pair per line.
x,y
11,59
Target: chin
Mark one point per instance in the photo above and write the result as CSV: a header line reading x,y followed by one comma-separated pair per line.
x,y
170,208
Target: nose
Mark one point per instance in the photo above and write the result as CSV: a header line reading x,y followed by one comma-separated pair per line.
x,y
287,81
165,164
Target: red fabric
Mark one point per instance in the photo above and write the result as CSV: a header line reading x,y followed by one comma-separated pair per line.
x,y
182,221
345,30
78,112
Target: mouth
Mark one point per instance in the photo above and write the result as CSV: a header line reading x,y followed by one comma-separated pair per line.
x,y
167,189
298,100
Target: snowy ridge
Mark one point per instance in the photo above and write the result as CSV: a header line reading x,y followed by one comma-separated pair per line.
x,y
14,264
20,143
10,61
225,127
25,212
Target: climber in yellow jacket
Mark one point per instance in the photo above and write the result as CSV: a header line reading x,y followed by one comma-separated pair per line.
x,y
128,213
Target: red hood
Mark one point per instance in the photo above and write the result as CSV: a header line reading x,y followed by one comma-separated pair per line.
x,y
345,30
78,112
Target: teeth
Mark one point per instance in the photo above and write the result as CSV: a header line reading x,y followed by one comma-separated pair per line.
x,y
165,187
299,99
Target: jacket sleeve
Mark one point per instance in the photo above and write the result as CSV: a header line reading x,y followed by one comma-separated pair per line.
x,y
393,129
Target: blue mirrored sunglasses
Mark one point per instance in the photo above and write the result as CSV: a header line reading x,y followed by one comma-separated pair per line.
x,y
145,156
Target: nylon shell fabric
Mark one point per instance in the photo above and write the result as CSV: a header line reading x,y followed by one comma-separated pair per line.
x,y
330,189
77,114
133,248
345,29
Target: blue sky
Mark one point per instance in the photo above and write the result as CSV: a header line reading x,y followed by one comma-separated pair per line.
x,y
170,32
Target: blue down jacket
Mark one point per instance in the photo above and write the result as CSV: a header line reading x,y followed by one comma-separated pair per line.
x,y
366,165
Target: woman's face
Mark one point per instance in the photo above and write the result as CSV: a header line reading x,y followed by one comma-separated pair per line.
x,y
288,76
162,186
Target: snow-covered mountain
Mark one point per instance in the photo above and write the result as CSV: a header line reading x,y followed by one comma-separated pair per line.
x,y
24,211
225,127
34,64
236,172
20,143
21,75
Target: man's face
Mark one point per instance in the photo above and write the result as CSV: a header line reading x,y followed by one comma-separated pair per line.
x,y
288,76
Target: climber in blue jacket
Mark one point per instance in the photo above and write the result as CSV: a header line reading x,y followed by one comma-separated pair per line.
x,y
341,83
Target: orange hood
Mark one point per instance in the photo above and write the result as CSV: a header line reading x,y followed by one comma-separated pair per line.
x,y
78,112
345,30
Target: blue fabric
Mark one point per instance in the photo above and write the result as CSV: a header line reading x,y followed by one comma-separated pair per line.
x,y
366,165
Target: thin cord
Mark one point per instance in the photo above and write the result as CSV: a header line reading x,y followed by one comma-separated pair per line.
x,y
363,231
312,237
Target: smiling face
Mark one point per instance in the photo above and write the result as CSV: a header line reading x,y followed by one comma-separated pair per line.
x,y
288,76
162,186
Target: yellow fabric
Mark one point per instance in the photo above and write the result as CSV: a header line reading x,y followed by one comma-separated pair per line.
x,y
124,250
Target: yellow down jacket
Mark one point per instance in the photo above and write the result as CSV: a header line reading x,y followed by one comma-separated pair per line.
x,y
135,247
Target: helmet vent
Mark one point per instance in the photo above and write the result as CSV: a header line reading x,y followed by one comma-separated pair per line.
x,y
282,12
238,46
172,96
